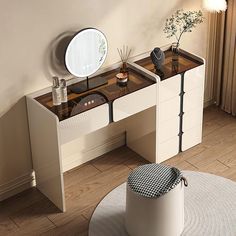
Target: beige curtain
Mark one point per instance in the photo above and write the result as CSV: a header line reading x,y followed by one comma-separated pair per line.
x,y
222,58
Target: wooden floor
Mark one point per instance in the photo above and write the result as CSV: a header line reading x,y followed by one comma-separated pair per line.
x,y
30,213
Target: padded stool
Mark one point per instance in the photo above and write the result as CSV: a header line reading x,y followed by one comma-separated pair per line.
x,y
155,201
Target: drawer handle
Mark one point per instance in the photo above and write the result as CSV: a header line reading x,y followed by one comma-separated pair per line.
x,y
185,181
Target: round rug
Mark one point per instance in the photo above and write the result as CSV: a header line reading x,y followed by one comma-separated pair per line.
x,y
210,208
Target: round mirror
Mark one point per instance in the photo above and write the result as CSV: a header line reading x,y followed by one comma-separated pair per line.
x,y
86,52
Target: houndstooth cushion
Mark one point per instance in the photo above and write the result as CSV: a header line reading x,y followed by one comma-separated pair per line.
x,y
154,180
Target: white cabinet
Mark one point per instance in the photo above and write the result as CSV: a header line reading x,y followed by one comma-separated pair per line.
x,y
193,99
168,149
193,107
192,118
192,137
180,112
194,78
135,102
84,123
179,108
163,117
169,88
169,109
52,127
168,129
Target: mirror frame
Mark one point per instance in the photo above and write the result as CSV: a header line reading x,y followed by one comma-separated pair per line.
x,y
68,46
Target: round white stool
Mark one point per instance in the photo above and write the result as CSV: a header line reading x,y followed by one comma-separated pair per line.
x,y
155,201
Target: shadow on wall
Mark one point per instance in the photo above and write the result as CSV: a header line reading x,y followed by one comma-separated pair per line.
x,y
151,26
15,154
54,63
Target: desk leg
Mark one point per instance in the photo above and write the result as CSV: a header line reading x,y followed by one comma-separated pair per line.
x,y
46,153
141,133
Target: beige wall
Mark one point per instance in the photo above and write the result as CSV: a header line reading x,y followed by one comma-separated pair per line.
x,y
28,28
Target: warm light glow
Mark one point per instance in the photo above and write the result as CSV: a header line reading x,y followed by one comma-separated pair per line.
x,y
215,5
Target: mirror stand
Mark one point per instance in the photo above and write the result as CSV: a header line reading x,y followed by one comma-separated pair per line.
x,y
86,85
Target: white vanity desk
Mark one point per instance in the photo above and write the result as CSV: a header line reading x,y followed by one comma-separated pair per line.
x,y
163,117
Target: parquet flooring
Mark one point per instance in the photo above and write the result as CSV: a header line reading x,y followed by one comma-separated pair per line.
x,y
30,213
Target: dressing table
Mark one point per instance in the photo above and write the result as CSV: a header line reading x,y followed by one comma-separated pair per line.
x,y
162,113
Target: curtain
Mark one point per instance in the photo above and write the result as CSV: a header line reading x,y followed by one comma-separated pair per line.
x,y
222,58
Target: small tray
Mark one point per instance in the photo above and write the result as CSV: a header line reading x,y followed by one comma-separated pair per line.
x,y
186,61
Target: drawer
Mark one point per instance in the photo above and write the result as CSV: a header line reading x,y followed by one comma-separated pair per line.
x,y
168,149
135,102
194,78
192,118
84,123
192,137
169,88
168,129
193,99
169,109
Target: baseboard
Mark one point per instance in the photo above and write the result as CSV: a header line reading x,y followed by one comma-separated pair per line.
x,y
17,185
77,159
27,180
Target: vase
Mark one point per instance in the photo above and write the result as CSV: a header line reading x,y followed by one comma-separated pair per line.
x,y
175,48
175,56
124,68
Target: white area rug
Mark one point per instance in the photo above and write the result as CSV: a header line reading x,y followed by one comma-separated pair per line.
x,y
210,208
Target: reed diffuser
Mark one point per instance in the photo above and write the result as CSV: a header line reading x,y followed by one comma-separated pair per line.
x,y
124,56
124,53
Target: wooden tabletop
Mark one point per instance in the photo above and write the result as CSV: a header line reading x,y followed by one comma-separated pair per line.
x,y
101,95
169,69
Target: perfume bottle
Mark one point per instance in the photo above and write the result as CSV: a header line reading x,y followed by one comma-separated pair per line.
x,y
56,91
63,91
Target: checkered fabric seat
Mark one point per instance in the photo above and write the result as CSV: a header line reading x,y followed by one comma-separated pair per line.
x,y
153,180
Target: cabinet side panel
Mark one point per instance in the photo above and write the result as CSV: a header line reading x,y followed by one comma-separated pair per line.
x,y
141,133
193,107
46,154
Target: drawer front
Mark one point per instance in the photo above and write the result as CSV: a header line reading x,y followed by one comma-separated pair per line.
x,y
169,88
168,149
168,129
135,102
192,137
192,118
193,99
84,123
169,109
194,78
